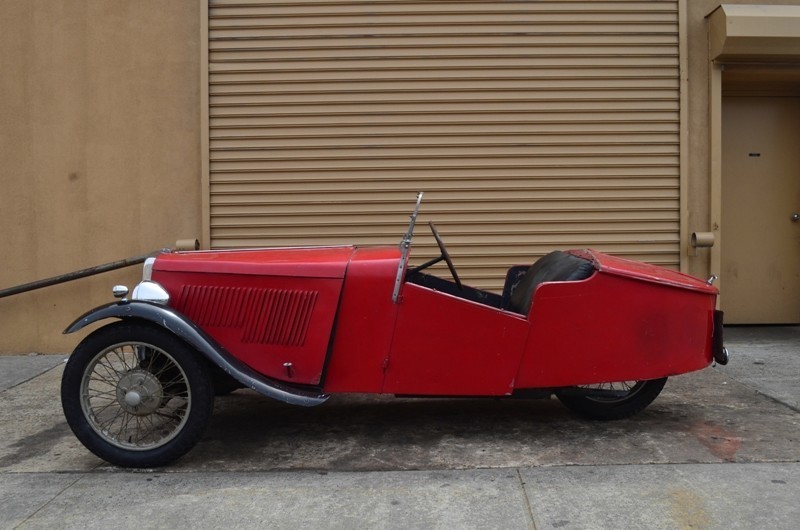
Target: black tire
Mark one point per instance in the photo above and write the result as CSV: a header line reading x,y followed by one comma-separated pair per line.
x,y
639,395
222,382
135,395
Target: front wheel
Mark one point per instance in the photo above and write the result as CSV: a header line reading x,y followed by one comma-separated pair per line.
x,y
135,395
627,398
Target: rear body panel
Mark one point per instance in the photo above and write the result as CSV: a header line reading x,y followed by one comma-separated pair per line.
x,y
644,271
629,321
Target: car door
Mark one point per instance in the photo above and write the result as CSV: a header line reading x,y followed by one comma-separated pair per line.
x,y
445,345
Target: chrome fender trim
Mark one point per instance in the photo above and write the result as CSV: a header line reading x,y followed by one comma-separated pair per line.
x,y
186,330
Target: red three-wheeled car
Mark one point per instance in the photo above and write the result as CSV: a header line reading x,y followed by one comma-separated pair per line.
x,y
298,324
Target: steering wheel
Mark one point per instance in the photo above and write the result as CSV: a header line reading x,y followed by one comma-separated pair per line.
x,y
445,255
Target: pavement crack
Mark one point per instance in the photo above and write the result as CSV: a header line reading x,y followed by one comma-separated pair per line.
x,y
528,506
32,377
45,505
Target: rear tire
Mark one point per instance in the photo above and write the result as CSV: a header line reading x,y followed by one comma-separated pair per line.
x,y
135,395
639,395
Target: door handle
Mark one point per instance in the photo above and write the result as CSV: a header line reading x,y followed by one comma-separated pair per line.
x,y
796,217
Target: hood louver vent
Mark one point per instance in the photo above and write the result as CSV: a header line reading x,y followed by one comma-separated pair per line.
x,y
265,316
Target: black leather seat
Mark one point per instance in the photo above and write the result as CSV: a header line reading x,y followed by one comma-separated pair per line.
x,y
554,267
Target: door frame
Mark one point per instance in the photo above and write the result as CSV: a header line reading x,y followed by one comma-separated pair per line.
x,y
715,165
768,34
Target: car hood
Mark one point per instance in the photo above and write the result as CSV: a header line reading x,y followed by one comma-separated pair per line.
x,y
308,262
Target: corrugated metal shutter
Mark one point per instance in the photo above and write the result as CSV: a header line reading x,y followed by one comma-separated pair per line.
x,y
529,125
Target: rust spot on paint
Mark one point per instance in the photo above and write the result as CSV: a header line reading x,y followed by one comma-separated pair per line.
x,y
722,443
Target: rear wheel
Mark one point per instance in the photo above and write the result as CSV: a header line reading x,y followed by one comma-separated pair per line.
x,y
629,398
136,395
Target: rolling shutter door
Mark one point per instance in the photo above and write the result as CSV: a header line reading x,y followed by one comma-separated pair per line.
x,y
531,126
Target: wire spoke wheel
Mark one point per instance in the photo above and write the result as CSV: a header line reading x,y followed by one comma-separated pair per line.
x,y
136,395
617,391
615,400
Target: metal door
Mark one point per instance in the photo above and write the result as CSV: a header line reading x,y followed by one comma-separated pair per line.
x,y
760,207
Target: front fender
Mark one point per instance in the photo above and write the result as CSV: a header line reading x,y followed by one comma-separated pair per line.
x,y
188,331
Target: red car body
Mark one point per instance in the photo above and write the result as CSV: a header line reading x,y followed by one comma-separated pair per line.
x,y
298,324
275,310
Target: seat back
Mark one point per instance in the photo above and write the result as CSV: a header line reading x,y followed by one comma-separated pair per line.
x,y
554,267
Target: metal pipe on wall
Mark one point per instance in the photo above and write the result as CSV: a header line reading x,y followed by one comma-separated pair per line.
x,y
181,244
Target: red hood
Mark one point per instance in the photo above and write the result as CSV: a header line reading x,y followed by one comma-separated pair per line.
x,y
644,271
310,262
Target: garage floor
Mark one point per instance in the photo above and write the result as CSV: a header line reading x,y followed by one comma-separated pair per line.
x,y
745,412
717,450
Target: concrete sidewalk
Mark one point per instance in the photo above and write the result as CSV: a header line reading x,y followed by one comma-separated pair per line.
x,y
719,449
656,496
767,359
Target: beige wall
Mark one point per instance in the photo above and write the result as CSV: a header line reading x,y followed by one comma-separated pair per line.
x,y
99,150
698,181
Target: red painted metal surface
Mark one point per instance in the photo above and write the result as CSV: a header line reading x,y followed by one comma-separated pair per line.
x,y
310,262
613,327
266,321
445,345
644,271
365,323
274,307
